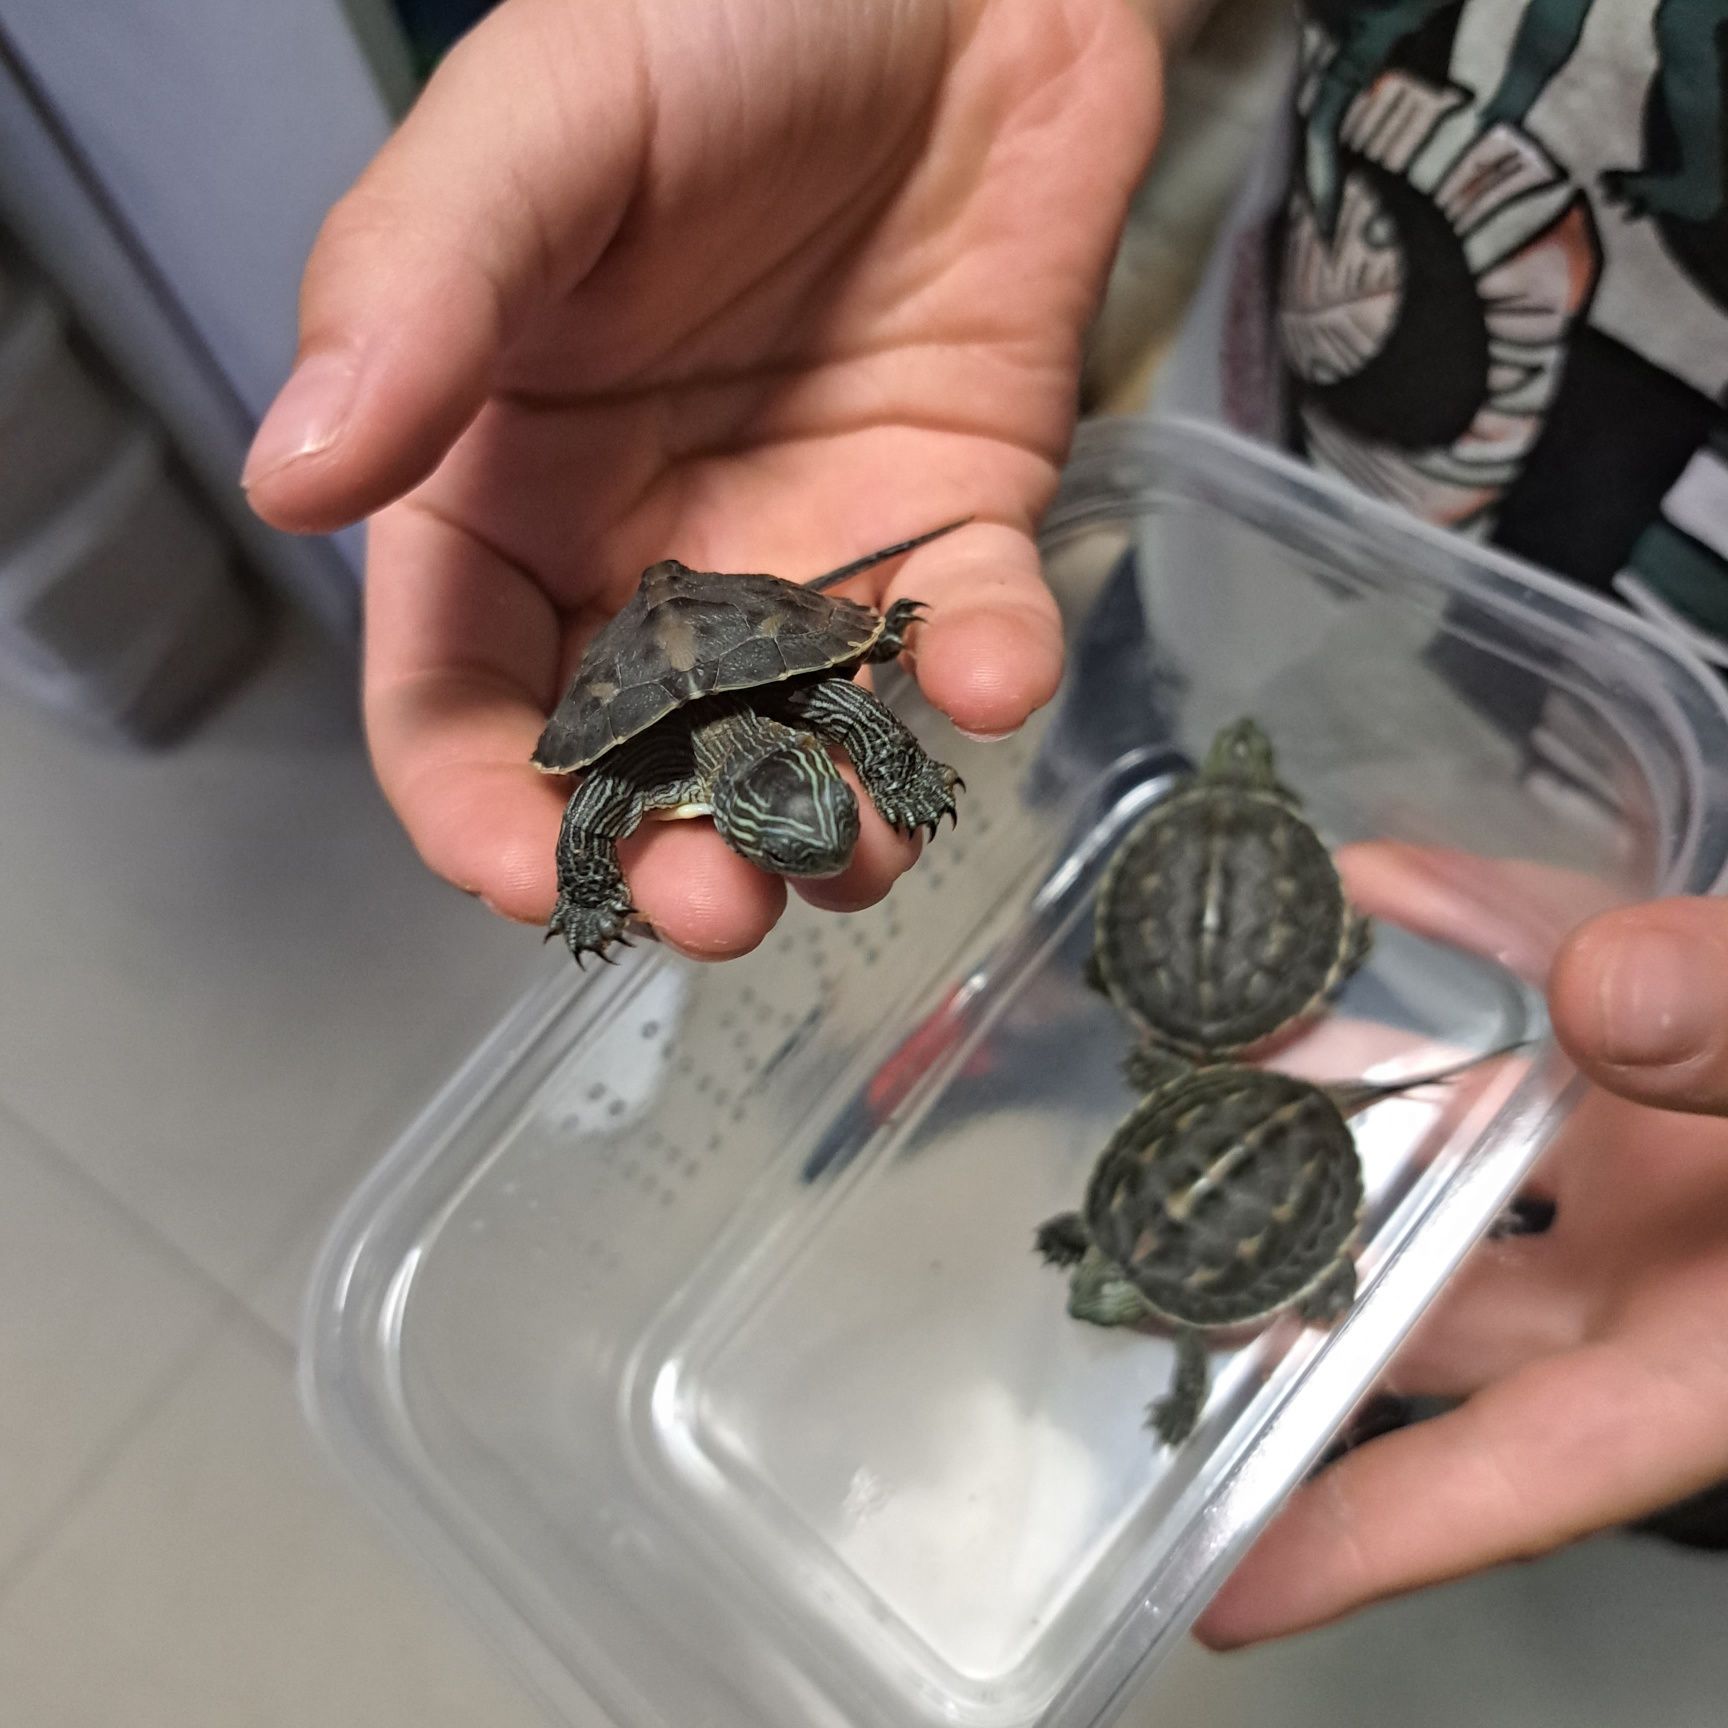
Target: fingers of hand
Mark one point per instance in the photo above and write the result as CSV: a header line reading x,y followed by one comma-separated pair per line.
x,y
425,270
1569,1445
1510,1305
881,856
461,661
989,651
1514,910
1640,1001
696,893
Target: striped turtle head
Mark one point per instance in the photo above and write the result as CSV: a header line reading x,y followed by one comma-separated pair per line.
x,y
788,811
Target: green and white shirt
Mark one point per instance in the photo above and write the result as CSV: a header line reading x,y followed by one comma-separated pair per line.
x,y
1484,274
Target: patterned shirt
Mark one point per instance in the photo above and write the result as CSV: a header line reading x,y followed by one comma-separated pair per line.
x,y
1484,274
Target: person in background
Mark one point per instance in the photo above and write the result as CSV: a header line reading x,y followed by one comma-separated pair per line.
x,y
775,281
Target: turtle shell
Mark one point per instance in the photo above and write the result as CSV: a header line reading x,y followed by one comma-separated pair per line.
x,y
1221,919
686,634
1227,1194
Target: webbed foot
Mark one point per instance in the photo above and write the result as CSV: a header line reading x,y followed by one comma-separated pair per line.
x,y
1062,1240
914,792
897,623
591,925
1173,1417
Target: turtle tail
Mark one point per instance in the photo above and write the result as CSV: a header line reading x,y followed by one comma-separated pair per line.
x,y
1358,1094
829,578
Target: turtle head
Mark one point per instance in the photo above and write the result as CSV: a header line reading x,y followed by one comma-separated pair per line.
x,y
1242,754
786,809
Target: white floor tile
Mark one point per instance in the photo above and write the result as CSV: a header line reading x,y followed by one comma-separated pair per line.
x,y
219,1577
95,1317
228,974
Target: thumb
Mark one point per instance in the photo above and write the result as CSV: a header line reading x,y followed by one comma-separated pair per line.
x,y
500,189
1639,999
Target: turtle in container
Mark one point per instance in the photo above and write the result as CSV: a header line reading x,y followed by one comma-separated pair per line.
x,y
1221,919
1228,1195
719,695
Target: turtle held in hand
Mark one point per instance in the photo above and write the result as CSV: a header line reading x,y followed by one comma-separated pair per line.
x,y
1228,1195
1221,918
718,695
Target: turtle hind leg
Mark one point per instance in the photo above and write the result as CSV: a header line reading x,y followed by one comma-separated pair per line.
x,y
1173,1417
1063,1240
1151,1066
1330,1299
909,788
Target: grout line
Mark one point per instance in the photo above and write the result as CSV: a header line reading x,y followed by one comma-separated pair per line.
x,y
48,1152
55,1518
227,1306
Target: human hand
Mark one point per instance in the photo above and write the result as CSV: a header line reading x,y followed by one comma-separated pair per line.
x,y
754,284
1590,1359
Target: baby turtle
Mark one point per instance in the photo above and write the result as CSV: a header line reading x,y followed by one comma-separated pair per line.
x,y
1229,1194
1221,919
718,695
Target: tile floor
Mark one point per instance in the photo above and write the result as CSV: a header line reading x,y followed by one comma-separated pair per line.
x,y
227,981
227,978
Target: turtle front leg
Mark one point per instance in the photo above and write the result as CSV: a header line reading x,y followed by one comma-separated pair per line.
x,y
897,624
1062,1240
653,772
1172,1417
909,787
593,901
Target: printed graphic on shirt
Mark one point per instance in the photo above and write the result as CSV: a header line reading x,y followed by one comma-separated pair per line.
x,y
1501,275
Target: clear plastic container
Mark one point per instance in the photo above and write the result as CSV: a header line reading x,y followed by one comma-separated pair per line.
x,y
695,1334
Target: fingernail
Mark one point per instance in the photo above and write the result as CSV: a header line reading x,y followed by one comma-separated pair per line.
x,y
1657,999
307,416
987,737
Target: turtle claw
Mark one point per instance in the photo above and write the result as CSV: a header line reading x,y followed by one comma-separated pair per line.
x,y
916,796
587,927
1062,1240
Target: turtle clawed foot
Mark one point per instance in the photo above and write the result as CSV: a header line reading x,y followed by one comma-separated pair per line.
x,y
916,798
587,928
1171,1419
1176,1415
1062,1241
